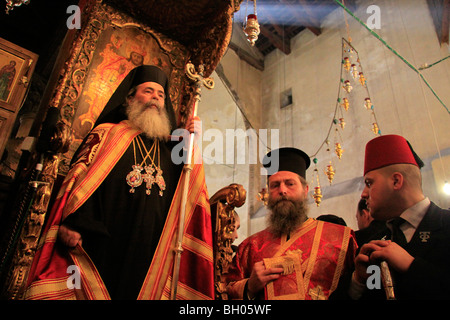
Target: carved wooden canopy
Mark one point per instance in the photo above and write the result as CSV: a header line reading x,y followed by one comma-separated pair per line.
x,y
202,26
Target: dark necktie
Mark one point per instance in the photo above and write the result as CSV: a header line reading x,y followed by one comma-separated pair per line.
x,y
397,234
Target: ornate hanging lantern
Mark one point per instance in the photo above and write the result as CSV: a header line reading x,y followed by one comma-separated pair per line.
x,y
251,28
330,172
375,128
263,196
354,71
345,104
342,123
347,86
338,149
347,64
368,104
362,79
317,196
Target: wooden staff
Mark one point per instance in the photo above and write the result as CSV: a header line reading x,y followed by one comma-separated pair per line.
x,y
209,84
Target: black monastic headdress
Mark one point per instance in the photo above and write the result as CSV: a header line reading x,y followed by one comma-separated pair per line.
x,y
287,159
114,111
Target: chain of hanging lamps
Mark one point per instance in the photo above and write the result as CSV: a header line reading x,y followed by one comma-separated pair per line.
x,y
352,77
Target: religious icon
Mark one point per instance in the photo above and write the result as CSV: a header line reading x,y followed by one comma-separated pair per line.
x,y
134,178
7,75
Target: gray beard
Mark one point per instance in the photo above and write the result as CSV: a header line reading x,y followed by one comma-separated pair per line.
x,y
286,215
153,123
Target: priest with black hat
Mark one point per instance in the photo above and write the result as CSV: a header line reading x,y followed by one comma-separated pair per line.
x,y
295,257
116,215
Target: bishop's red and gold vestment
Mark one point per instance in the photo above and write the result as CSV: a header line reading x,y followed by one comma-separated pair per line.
x,y
313,259
103,151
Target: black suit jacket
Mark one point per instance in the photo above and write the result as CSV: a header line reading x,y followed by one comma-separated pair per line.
x,y
429,274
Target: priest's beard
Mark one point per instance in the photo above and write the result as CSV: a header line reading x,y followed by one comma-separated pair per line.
x,y
286,215
154,123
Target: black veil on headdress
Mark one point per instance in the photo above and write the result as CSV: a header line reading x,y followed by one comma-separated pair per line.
x,y
115,110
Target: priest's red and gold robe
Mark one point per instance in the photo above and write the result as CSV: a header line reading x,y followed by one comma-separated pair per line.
x,y
313,259
50,276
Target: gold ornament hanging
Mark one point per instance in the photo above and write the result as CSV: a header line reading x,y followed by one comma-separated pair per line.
x,y
338,149
263,196
345,104
362,79
375,128
367,104
354,71
317,196
347,64
330,172
342,123
347,86
251,28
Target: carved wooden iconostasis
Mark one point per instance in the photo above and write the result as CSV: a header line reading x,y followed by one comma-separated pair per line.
x,y
115,37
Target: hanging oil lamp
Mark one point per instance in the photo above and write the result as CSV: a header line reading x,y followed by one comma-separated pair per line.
x,y
362,79
317,196
342,123
263,196
345,104
330,172
368,104
338,150
347,64
251,28
354,71
347,86
375,128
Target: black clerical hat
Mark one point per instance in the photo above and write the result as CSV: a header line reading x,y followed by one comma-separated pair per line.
x,y
115,111
286,159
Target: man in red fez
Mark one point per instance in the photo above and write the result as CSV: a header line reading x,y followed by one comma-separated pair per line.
x,y
416,242
295,257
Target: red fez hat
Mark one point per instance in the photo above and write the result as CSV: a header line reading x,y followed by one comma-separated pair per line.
x,y
387,150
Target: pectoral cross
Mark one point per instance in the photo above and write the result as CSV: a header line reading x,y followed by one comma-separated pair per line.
x,y
317,293
160,181
148,178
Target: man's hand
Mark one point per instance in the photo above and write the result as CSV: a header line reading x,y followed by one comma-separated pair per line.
x,y
381,250
260,277
194,125
69,237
